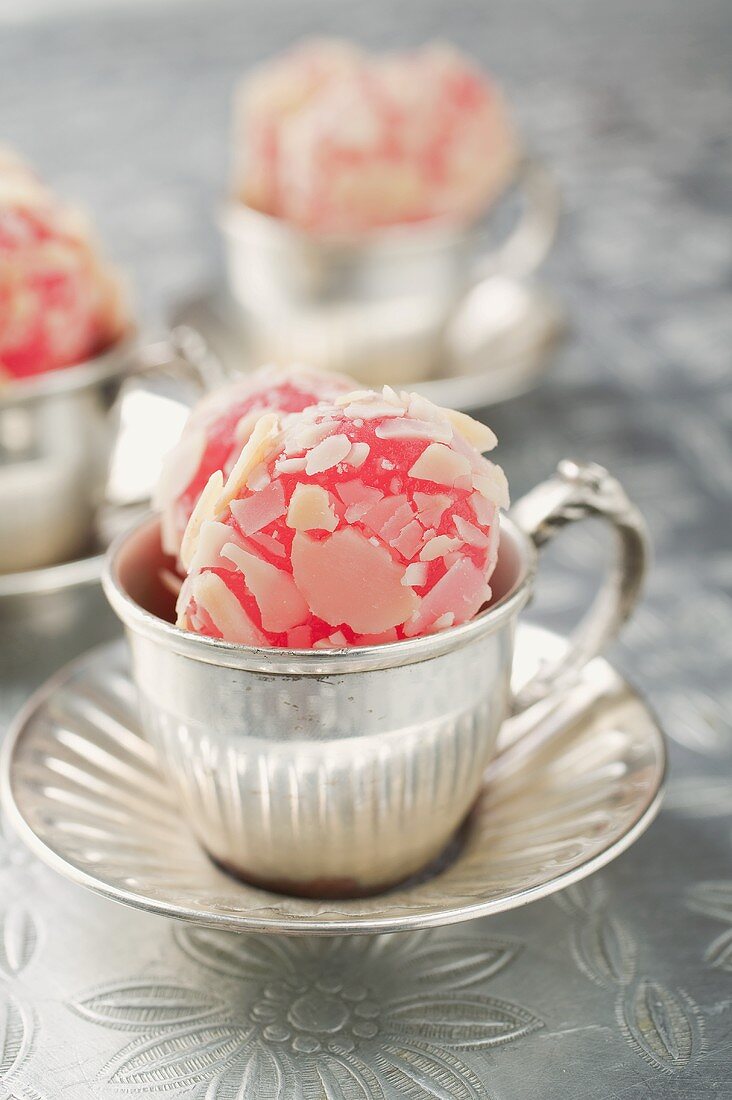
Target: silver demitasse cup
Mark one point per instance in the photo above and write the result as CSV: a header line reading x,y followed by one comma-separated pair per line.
x,y
57,433
340,773
377,307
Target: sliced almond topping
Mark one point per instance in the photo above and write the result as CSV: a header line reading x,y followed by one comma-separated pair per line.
x,y
206,508
408,540
478,435
415,574
444,621
492,484
245,426
257,448
280,604
357,455
290,465
405,428
438,547
303,437
356,492
430,507
372,410
212,537
226,613
327,454
440,464
311,509
461,591
469,533
348,581
485,510
336,641
254,512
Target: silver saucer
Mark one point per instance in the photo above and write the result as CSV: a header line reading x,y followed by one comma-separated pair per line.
x,y
77,572
498,347
81,786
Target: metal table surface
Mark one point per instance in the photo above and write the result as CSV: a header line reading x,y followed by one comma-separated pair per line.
x,y
621,986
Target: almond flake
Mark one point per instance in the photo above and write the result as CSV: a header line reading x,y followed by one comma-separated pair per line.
x,y
206,508
212,537
438,547
257,448
226,613
372,410
311,509
405,428
415,574
280,604
492,484
327,454
430,507
440,464
290,465
348,581
469,533
254,512
358,454
478,435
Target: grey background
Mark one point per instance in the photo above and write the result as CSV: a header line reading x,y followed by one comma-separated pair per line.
x,y
124,106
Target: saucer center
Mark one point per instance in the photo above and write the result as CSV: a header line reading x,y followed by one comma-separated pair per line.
x,y
319,1013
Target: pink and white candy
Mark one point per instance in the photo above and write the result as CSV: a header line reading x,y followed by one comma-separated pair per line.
x,y
59,302
220,425
366,520
339,142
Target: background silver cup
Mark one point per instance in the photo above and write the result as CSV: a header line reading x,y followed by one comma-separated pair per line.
x,y
342,772
57,432
377,308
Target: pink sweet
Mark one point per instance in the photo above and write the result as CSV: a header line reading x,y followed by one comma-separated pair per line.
x,y
366,520
221,424
59,303
372,141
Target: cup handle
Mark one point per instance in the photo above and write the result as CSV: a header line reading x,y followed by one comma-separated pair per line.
x,y
529,242
579,491
183,355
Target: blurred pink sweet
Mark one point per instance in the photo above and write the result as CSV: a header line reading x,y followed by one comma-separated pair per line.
x,y
367,520
220,425
340,142
59,301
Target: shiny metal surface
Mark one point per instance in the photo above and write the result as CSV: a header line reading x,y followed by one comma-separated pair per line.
x,y
56,438
82,784
333,774
379,309
617,986
499,346
57,434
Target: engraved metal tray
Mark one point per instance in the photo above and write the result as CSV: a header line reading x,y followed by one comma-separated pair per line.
x,y
82,786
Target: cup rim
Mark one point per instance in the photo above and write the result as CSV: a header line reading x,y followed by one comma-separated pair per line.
x,y
314,662
114,359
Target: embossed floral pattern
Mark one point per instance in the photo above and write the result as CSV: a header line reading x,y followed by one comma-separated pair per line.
x,y
18,942
337,1019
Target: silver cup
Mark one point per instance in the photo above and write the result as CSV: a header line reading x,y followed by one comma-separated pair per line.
x,y
340,773
378,308
57,432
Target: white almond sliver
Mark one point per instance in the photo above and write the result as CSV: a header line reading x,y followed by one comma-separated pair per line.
x,y
290,465
444,621
469,533
255,450
206,508
406,428
327,454
415,575
212,537
493,486
441,465
371,410
311,509
358,454
438,547
478,435
280,604
226,613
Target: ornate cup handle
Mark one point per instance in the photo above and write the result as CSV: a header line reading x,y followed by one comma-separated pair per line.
x,y
577,491
528,244
184,355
